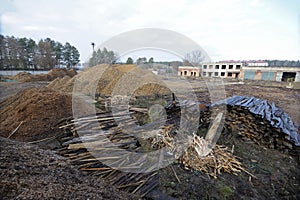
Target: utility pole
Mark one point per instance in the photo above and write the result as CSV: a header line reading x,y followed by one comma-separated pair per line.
x,y
93,45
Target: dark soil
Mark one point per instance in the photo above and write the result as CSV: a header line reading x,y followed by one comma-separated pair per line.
x,y
28,172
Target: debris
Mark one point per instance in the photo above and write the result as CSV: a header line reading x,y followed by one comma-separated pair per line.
x,y
218,161
198,156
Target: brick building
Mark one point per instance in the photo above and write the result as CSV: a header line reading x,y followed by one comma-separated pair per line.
x,y
188,71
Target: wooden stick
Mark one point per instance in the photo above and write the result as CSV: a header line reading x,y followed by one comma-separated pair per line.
x,y
175,174
15,130
247,172
42,140
95,169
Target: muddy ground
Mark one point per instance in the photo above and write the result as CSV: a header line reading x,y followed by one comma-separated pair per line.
x,y
28,171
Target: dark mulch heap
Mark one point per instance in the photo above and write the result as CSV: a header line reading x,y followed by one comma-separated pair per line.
x,y
29,172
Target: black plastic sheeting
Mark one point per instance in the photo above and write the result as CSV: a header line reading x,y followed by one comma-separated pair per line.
x,y
276,116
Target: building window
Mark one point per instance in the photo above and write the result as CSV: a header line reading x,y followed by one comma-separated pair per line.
x,y
180,73
230,66
229,74
209,74
210,66
216,74
185,73
222,73
238,66
204,66
204,73
217,67
193,73
223,66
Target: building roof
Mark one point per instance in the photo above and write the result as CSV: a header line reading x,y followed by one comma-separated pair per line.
x,y
188,67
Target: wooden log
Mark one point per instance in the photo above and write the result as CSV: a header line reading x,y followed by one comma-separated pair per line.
x,y
213,133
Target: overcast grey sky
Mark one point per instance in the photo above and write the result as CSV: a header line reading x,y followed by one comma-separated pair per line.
x,y
226,29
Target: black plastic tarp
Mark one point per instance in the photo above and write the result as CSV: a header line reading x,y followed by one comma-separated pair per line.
x,y
276,116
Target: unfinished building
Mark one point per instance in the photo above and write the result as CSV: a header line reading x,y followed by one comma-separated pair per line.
x,y
244,70
222,69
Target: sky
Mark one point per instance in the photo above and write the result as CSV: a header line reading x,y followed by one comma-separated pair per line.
x,y
225,29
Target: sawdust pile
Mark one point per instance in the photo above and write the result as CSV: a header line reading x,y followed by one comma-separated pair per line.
x,y
36,111
64,84
53,74
112,80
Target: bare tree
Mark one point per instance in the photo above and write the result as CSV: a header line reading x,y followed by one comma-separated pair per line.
x,y
193,58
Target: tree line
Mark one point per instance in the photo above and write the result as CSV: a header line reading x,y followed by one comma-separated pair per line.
x,y
25,53
193,58
140,60
283,63
102,56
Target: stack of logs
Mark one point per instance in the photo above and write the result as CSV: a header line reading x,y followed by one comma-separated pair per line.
x,y
262,122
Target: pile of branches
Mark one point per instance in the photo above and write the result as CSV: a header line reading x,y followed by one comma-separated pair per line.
x,y
199,155
219,160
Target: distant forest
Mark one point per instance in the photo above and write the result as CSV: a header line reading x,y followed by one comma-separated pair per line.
x,y
25,53
283,63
